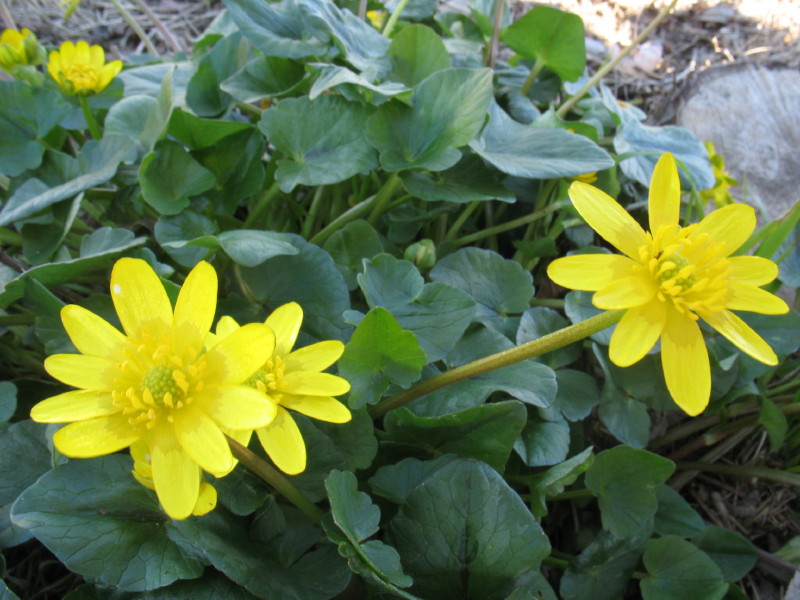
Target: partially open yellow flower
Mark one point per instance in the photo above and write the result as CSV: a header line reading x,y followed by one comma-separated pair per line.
x,y
292,380
668,278
19,48
719,194
156,386
82,69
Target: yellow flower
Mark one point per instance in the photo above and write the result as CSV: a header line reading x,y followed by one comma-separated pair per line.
x,y
156,385
587,177
82,69
19,48
377,18
292,380
719,194
668,278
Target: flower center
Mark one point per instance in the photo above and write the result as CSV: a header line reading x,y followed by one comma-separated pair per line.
x,y
82,76
690,270
266,380
156,382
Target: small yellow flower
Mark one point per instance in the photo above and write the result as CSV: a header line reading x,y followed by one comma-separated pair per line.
x,y
668,278
82,69
377,18
293,380
586,177
719,194
19,48
156,387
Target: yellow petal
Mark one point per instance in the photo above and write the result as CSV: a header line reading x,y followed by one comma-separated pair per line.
x,y
685,361
316,357
74,406
175,475
196,305
589,272
637,333
731,225
608,218
54,65
754,299
313,384
91,334
741,335
201,438
664,203
107,73
206,500
239,355
284,444
96,437
67,52
82,54
627,292
285,321
226,326
238,407
140,299
753,270
85,372
97,57
324,408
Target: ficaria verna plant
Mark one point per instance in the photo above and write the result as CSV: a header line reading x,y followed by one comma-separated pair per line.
x,y
403,303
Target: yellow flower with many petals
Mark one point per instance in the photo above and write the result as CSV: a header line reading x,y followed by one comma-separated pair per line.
x,y
82,69
156,387
19,48
668,278
294,381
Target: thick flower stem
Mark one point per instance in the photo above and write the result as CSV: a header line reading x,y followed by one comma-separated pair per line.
x,y
528,83
393,18
548,343
275,479
606,68
382,198
91,122
509,225
491,50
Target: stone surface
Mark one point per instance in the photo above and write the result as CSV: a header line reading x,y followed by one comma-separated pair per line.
x,y
751,114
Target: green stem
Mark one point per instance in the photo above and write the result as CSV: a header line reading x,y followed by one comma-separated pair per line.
x,y
461,219
343,219
263,203
21,319
8,236
362,9
91,122
606,68
509,225
387,29
528,83
275,479
311,217
572,494
249,109
134,24
491,50
547,343
382,197
548,302
742,471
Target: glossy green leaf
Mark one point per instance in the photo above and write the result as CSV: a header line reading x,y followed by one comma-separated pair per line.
x,y
169,176
602,570
395,482
552,37
98,249
380,353
29,113
142,118
553,481
501,287
774,422
350,245
97,162
286,278
627,419
437,314
357,518
224,541
48,325
540,321
624,480
332,76
486,432
25,443
532,152
447,109
200,133
101,523
543,443
264,77
203,93
247,247
674,515
577,394
175,231
415,10
8,400
678,569
329,148
465,533
732,553
415,53
469,180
